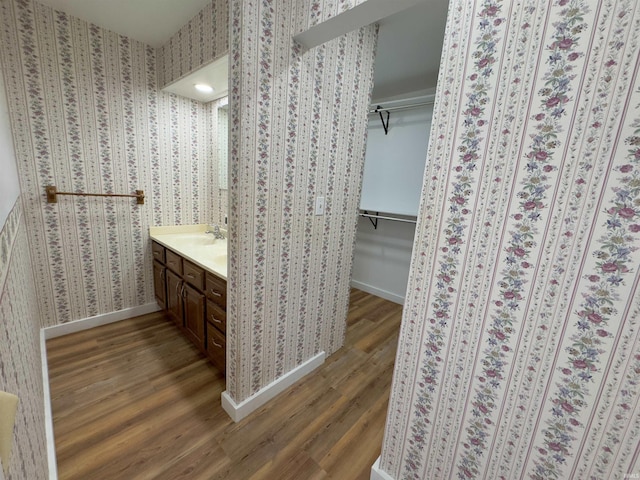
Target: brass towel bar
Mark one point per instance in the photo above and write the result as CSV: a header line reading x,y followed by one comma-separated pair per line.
x,y
52,194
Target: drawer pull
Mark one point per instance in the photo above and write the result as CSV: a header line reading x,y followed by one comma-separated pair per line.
x,y
215,320
191,275
216,344
157,254
214,293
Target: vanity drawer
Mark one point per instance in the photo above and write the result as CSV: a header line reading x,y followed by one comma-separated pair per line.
x,y
174,262
216,347
193,274
216,316
217,290
158,251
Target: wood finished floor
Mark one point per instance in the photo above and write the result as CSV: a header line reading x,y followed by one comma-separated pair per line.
x,y
135,400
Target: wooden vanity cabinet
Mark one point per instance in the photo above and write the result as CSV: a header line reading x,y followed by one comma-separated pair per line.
x,y
216,316
193,274
158,252
216,290
195,299
216,347
174,297
216,293
194,315
174,261
159,284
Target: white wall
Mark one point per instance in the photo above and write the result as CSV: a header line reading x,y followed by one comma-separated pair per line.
x,y
393,172
394,163
382,257
9,186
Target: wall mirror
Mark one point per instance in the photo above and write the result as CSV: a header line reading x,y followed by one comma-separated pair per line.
x,y
206,84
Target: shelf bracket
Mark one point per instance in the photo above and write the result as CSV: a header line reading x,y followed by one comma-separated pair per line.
x,y
385,125
374,221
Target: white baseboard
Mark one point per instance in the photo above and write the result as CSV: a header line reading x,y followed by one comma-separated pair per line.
x,y
237,411
48,416
98,320
378,292
379,474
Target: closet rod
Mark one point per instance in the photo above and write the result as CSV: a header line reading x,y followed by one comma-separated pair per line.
x,y
384,217
399,107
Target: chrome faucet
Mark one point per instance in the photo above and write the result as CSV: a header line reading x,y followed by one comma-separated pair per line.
x,y
216,232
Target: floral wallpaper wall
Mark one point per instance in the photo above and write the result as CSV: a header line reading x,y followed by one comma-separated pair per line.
x,y
20,364
297,128
320,10
519,350
203,39
89,116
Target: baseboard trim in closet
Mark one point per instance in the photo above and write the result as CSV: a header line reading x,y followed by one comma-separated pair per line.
x,y
98,320
238,411
377,473
378,292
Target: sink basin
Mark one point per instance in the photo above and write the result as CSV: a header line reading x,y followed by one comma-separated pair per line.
x,y
215,252
195,239
199,247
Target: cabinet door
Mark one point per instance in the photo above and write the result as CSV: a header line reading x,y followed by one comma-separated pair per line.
x,y
159,284
194,315
216,347
174,297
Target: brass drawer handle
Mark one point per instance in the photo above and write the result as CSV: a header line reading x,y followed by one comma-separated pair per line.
x,y
216,344
214,293
191,275
215,320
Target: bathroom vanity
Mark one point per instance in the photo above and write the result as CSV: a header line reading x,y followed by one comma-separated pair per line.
x,y
189,274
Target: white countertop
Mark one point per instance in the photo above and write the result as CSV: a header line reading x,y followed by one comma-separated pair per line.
x,y
191,242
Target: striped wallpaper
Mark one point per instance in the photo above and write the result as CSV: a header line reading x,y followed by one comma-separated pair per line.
x,y
318,11
519,350
202,40
20,364
297,127
93,119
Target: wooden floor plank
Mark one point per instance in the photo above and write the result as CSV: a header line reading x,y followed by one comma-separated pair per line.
x,y
136,400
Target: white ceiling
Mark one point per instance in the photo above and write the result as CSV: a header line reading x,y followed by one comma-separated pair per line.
x,y
216,75
409,49
150,21
409,44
